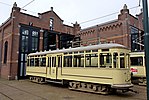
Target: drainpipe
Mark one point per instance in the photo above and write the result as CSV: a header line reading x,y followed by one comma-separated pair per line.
x,y
12,32
10,76
98,36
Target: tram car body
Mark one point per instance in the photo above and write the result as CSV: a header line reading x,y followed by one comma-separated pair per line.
x,y
137,67
95,68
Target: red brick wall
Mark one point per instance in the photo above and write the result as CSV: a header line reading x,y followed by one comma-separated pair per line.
x,y
7,31
11,30
117,31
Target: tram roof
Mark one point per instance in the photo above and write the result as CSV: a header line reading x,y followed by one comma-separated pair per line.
x,y
82,48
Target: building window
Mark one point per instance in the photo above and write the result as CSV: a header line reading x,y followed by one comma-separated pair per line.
x,y
49,41
34,40
29,40
51,23
25,36
5,52
134,39
45,41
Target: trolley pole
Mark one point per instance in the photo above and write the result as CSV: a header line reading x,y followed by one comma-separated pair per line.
x,y
146,43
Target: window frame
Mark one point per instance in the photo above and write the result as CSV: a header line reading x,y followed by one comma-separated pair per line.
x,y
5,52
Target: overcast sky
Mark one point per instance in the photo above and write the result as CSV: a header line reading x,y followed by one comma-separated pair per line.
x,y
72,10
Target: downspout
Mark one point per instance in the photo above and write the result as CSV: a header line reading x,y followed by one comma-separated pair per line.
x,y
9,75
128,32
12,32
97,32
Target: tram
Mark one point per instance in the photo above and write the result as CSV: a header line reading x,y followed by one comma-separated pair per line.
x,y
138,67
101,68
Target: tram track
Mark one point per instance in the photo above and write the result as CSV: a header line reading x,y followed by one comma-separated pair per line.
x,y
7,96
25,90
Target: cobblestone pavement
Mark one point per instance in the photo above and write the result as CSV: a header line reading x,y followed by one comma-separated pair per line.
x,y
26,90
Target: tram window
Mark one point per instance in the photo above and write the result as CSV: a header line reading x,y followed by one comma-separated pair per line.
x,y
91,60
81,61
53,61
60,61
32,62
101,60
68,61
115,62
36,61
81,52
127,61
75,52
78,60
88,51
105,60
43,62
75,61
103,50
49,61
94,50
122,63
136,61
122,60
108,58
88,60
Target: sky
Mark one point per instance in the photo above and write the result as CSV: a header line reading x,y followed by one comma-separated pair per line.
x,y
73,10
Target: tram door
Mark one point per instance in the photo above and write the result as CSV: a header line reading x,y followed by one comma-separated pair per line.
x,y
55,64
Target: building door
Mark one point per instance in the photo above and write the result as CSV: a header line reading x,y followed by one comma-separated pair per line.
x,y
29,42
54,67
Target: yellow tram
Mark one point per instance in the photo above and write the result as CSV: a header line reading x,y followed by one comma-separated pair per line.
x,y
95,68
138,67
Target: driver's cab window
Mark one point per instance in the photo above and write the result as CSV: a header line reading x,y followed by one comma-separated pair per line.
x,y
105,60
122,60
115,60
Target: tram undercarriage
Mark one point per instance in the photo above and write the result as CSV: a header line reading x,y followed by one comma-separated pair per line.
x,y
83,86
89,87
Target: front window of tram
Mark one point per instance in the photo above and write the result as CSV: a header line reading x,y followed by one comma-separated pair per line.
x,y
122,60
115,60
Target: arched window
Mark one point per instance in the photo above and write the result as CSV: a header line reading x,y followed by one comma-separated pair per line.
x,y
5,52
51,23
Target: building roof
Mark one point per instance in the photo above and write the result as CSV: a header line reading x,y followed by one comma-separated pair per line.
x,y
49,12
109,22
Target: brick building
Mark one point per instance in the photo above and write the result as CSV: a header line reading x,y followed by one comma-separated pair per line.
x,y
23,33
126,29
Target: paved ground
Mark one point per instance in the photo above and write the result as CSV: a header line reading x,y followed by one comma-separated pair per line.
x,y
26,90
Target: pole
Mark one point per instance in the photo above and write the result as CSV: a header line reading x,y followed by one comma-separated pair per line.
x,y
146,43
